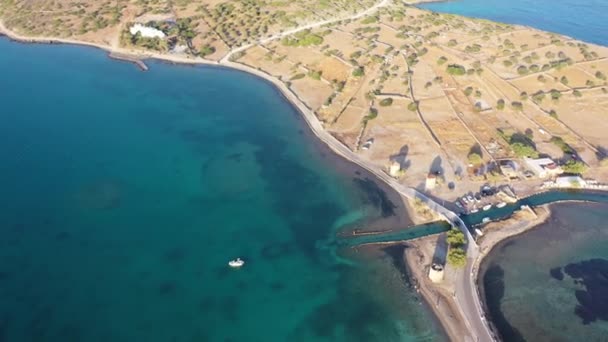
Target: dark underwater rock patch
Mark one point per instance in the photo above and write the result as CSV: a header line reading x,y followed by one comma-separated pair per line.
x,y
494,288
592,274
557,273
376,196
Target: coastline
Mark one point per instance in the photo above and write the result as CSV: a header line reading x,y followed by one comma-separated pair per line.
x,y
324,138
325,141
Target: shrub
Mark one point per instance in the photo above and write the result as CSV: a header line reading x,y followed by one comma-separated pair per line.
x,y
315,75
590,83
452,42
507,63
413,106
574,166
517,105
303,38
577,93
500,104
457,257
455,69
358,72
206,50
455,237
553,113
442,60
538,96
468,91
372,114
475,159
297,77
523,96
386,102
564,80
555,95
522,70
559,142
523,150
600,75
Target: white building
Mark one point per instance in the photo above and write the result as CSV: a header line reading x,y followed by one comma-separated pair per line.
x,y
570,182
147,32
543,167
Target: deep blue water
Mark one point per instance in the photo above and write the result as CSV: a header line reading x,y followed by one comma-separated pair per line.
x,y
125,193
583,20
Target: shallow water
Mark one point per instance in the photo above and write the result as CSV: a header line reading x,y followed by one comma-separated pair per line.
x,y
550,284
583,20
125,193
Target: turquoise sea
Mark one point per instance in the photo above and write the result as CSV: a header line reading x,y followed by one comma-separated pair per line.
x,y
551,284
583,20
125,193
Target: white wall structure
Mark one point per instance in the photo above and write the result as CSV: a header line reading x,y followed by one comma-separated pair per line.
x,y
147,32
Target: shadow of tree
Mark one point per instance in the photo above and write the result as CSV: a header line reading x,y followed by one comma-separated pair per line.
x,y
401,157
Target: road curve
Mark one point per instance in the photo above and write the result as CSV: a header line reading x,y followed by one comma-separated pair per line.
x,y
305,27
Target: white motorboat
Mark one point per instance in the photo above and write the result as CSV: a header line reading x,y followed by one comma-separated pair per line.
x,y
501,205
485,220
474,210
236,263
486,207
478,232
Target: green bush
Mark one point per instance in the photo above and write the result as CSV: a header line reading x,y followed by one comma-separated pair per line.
x,y
455,237
413,106
500,104
442,60
455,69
386,102
517,105
577,93
358,72
522,70
574,166
559,142
314,74
475,159
555,95
457,257
600,75
538,96
468,91
523,150
372,114
297,77
206,50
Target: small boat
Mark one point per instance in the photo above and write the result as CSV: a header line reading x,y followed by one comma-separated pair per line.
x,y
478,232
474,210
485,220
501,205
236,263
486,207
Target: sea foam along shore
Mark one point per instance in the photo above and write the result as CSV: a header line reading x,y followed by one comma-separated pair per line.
x,y
311,120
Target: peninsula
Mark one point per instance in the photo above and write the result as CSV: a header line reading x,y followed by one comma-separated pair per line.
x,y
458,115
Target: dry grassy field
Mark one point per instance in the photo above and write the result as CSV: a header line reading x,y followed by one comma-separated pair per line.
x,y
401,84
